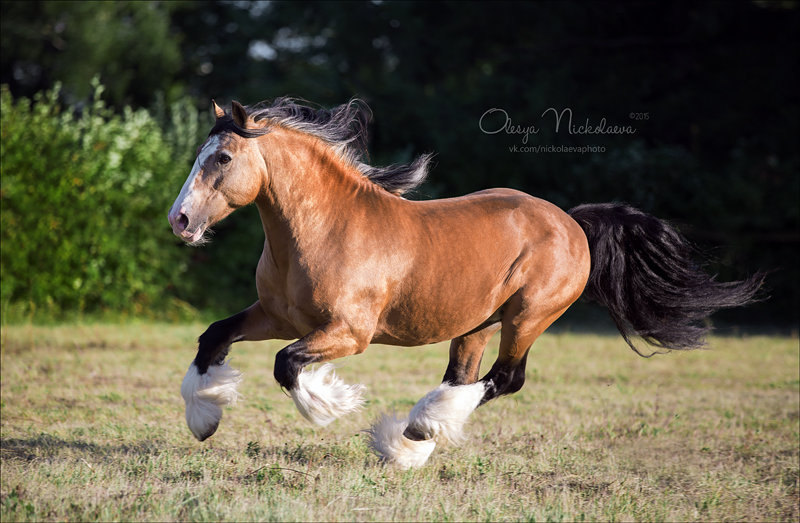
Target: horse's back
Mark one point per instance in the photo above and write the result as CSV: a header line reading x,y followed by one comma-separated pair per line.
x,y
505,219
497,200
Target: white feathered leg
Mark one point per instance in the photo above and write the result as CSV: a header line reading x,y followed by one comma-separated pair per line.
x,y
321,396
439,416
442,413
392,447
206,394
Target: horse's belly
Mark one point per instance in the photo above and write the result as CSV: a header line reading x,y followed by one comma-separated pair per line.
x,y
435,314
422,333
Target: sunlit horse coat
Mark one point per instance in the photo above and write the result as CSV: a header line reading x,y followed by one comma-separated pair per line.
x,y
347,262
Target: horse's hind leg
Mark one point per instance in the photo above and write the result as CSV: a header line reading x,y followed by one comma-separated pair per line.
x,y
441,414
466,353
210,383
520,329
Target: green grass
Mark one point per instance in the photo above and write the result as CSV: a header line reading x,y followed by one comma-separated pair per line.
x,y
93,429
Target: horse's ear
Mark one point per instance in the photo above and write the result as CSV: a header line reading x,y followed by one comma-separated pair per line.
x,y
217,110
239,114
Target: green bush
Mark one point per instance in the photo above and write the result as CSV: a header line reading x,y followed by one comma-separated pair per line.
x,y
85,194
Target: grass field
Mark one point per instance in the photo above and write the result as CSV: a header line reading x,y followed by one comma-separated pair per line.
x,y
93,429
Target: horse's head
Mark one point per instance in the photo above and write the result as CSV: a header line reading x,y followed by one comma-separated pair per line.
x,y
227,174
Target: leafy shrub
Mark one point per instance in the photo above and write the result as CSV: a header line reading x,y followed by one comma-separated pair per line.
x,y
85,193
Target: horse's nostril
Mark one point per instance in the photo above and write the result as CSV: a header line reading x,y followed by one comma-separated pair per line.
x,y
182,223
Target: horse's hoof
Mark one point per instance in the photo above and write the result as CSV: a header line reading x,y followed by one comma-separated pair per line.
x,y
206,394
208,434
389,443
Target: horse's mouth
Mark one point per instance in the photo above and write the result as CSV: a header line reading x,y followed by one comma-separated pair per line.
x,y
194,237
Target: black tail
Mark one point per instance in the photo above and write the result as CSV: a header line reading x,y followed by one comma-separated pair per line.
x,y
644,272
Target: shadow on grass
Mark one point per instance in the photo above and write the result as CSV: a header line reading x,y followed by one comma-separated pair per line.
x,y
48,446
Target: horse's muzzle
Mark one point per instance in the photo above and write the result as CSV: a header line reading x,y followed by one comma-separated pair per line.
x,y
179,222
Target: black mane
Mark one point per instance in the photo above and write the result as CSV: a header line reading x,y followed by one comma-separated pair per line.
x,y
344,128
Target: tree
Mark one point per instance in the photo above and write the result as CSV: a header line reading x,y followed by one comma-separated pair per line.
x,y
129,44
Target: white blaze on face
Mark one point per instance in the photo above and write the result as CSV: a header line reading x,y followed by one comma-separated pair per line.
x,y
185,201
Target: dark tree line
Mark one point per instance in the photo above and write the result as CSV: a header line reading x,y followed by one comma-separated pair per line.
x,y
710,90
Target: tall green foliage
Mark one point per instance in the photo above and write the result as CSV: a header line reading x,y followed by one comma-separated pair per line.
x,y
715,154
84,200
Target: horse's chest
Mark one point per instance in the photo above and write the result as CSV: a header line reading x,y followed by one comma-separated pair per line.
x,y
292,297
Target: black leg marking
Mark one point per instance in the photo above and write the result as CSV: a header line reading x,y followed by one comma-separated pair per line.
x,y
466,353
214,344
289,362
504,379
415,434
456,375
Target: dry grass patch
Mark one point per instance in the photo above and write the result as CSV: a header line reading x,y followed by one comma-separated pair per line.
x,y
92,429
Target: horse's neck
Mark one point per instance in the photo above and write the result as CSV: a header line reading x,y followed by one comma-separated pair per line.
x,y
309,190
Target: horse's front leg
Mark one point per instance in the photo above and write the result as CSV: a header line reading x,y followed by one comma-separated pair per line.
x,y
210,383
320,395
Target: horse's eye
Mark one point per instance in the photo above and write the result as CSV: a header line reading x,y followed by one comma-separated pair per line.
x,y
224,158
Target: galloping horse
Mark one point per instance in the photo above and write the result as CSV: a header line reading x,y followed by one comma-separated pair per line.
x,y
347,261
